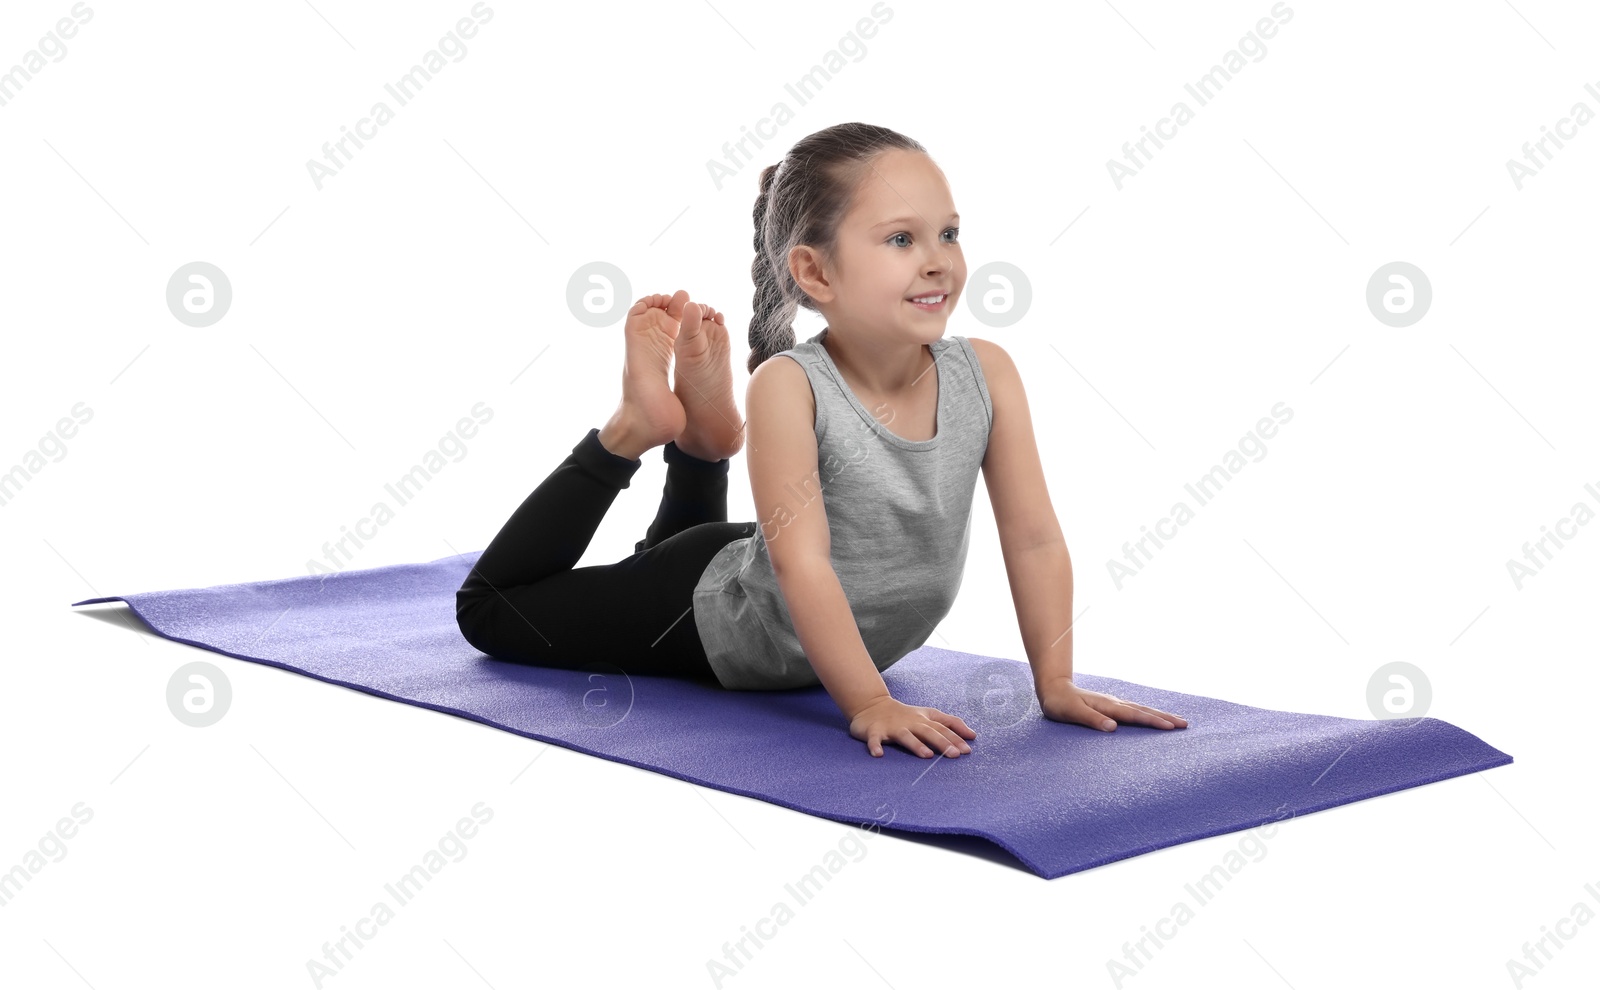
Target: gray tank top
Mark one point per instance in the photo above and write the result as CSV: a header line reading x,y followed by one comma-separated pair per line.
x,y
899,522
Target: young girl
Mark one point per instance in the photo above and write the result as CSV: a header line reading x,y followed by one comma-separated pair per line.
x,y
864,531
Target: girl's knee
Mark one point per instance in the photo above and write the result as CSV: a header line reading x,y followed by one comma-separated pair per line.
x,y
496,628
474,621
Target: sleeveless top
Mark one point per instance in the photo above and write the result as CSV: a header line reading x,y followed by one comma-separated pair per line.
x,y
899,522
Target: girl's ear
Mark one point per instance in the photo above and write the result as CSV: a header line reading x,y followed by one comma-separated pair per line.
x,y
810,273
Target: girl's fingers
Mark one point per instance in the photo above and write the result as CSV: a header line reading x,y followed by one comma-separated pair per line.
x,y
955,740
925,740
943,740
909,740
1176,720
1096,718
953,721
1135,714
1154,716
950,729
932,738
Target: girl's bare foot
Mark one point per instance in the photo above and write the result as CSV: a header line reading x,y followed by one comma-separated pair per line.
x,y
649,414
703,383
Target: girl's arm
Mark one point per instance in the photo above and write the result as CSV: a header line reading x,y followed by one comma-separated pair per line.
x,y
1035,552
1037,563
782,452
827,632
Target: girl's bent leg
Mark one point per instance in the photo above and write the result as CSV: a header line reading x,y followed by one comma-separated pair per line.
x,y
549,532
636,615
695,492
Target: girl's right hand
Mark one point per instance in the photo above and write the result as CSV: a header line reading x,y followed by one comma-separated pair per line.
x,y
888,720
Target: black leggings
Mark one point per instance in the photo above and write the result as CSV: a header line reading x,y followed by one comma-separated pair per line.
x,y
525,602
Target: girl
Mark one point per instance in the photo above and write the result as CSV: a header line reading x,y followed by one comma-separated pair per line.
x,y
864,531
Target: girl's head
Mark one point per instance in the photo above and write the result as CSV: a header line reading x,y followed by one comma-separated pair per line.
x,y
854,222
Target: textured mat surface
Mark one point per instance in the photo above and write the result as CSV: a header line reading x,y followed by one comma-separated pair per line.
x,y
1059,798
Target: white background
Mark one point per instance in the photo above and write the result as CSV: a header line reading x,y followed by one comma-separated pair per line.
x,y
369,316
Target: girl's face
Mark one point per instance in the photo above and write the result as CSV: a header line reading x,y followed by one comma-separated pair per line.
x,y
899,241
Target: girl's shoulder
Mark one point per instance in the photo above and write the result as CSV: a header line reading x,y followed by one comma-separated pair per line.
x,y
989,363
991,357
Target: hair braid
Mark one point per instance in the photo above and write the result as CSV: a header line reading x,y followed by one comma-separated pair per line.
x,y
772,311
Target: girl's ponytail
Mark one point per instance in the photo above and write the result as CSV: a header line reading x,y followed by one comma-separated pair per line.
x,y
773,312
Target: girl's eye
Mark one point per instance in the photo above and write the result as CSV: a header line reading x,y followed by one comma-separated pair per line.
x,y
948,230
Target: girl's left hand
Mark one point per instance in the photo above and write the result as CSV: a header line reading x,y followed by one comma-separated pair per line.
x,y
1064,701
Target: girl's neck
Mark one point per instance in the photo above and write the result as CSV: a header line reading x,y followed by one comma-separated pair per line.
x,y
879,371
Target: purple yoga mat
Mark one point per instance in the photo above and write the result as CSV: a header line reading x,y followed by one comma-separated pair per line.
x,y
1059,798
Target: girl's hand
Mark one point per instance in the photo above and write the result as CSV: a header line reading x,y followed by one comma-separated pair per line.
x,y
888,720
1063,701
